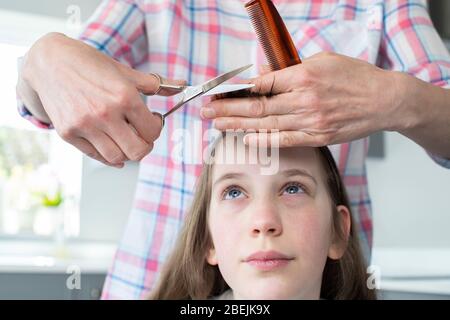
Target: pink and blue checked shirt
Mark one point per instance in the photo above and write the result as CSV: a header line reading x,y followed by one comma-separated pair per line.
x,y
198,39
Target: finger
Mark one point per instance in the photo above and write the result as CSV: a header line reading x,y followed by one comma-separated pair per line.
x,y
88,149
275,82
279,122
107,148
255,107
170,92
148,125
268,83
283,139
148,83
129,141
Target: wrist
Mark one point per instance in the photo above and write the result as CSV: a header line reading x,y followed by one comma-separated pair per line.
x,y
33,67
404,94
38,59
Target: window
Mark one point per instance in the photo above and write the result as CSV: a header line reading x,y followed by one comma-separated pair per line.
x,y
40,175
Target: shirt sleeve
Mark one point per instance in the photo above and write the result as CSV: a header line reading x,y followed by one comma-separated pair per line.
x,y
117,28
411,44
26,114
34,99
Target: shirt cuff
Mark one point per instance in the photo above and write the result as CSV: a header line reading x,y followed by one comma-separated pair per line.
x,y
26,114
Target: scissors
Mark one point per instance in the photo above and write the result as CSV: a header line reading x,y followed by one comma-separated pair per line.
x,y
210,87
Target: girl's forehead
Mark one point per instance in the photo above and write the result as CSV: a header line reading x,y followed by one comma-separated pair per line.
x,y
238,157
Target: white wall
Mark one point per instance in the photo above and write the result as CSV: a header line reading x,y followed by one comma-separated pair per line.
x,y
53,8
106,199
410,195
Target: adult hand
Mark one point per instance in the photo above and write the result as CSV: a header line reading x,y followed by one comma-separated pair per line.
x,y
328,99
92,100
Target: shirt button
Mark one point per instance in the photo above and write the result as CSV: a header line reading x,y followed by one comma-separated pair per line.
x,y
373,18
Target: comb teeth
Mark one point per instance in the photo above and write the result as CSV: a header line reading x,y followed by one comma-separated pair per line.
x,y
272,34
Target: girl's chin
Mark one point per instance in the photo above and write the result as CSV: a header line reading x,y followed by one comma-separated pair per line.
x,y
272,293
271,296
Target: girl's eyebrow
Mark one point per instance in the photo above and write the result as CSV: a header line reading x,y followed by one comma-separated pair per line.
x,y
286,173
229,176
299,172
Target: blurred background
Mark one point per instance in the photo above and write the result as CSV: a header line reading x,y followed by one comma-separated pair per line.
x,y
54,203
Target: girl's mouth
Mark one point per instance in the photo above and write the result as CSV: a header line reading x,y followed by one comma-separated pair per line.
x,y
268,260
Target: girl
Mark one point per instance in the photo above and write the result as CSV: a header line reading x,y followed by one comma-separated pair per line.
x,y
287,235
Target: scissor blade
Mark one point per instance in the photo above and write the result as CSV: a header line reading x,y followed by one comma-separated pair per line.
x,y
193,92
211,84
226,88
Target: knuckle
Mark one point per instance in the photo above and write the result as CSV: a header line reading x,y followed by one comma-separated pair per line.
x,y
137,155
81,121
275,123
102,113
306,77
115,157
258,82
219,108
93,155
128,106
286,140
123,97
67,133
257,108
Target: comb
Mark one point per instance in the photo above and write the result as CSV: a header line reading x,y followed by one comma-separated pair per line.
x,y
272,34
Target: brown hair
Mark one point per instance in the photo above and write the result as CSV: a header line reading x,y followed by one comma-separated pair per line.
x,y
187,275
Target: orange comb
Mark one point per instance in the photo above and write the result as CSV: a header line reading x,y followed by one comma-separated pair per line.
x,y
272,34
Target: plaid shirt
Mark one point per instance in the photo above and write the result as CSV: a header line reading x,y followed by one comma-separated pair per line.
x,y
198,39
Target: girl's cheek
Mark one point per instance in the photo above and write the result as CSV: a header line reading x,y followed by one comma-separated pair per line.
x,y
310,230
227,219
226,236
230,208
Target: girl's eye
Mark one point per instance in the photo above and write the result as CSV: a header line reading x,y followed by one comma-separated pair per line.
x,y
295,188
232,193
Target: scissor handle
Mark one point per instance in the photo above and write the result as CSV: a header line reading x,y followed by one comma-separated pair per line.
x,y
163,119
173,87
175,108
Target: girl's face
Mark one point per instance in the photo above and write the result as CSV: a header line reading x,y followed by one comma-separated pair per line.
x,y
272,233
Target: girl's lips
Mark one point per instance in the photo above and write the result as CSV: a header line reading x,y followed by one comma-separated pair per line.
x,y
268,265
268,260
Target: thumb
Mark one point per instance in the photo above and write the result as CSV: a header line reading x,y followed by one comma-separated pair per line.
x,y
148,83
272,82
264,69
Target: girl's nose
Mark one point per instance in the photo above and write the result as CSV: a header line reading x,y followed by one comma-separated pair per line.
x,y
265,220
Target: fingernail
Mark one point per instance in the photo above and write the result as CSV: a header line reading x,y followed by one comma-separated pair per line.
x,y
208,113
